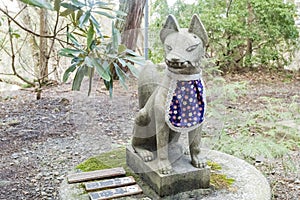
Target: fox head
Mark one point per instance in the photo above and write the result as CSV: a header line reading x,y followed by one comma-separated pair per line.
x,y
184,47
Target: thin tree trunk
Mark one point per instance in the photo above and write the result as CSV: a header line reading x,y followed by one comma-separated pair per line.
x,y
249,50
43,47
34,48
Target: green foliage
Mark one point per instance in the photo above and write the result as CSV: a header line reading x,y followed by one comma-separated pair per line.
x,y
89,50
242,34
39,3
100,54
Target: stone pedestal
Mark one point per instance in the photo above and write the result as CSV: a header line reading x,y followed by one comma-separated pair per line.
x,y
185,176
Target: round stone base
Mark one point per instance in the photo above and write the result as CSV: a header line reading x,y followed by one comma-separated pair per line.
x,y
249,183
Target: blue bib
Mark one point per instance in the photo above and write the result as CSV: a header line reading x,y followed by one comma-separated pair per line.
x,y
187,106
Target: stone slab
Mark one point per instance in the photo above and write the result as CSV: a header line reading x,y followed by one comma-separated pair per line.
x,y
109,183
184,177
115,193
93,175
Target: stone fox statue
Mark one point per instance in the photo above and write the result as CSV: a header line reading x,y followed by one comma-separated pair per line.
x,y
172,100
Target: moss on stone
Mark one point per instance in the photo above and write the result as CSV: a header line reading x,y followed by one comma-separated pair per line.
x,y
221,181
117,158
111,159
214,165
107,160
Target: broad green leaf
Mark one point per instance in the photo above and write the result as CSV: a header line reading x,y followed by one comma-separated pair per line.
x,y
138,60
91,3
118,12
39,3
68,72
116,37
66,12
57,5
94,62
66,54
73,39
78,3
79,14
129,51
105,8
102,3
121,75
96,25
122,48
109,86
102,72
70,6
105,14
81,71
70,51
16,35
88,61
133,69
91,75
90,36
84,18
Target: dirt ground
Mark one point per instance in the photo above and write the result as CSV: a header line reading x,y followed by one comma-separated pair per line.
x,y
42,140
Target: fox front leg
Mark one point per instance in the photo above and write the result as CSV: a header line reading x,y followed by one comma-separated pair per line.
x,y
198,160
162,139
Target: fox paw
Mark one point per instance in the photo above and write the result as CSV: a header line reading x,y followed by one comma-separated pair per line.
x,y
199,162
165,167
145,154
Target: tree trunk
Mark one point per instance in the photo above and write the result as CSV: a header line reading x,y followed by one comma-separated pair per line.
x,y
43,76
130,27
249,50
34,48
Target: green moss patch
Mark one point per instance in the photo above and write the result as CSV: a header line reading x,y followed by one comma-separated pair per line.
x,y
221,181
107,160
111,159
214,165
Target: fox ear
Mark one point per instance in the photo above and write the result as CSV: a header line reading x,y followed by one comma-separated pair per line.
x,y
170,26
198,29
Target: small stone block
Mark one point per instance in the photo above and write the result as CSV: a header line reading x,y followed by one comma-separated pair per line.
x,y
117,192
185,177
109,183
98,174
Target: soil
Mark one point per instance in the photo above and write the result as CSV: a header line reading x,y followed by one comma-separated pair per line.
x,y
42,140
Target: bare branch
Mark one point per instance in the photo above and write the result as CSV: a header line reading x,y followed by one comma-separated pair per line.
x,y
228,8
11,82
7,74
13,58
25,29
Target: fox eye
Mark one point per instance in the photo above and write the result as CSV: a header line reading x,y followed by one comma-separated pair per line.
x,y
169,47
192,48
